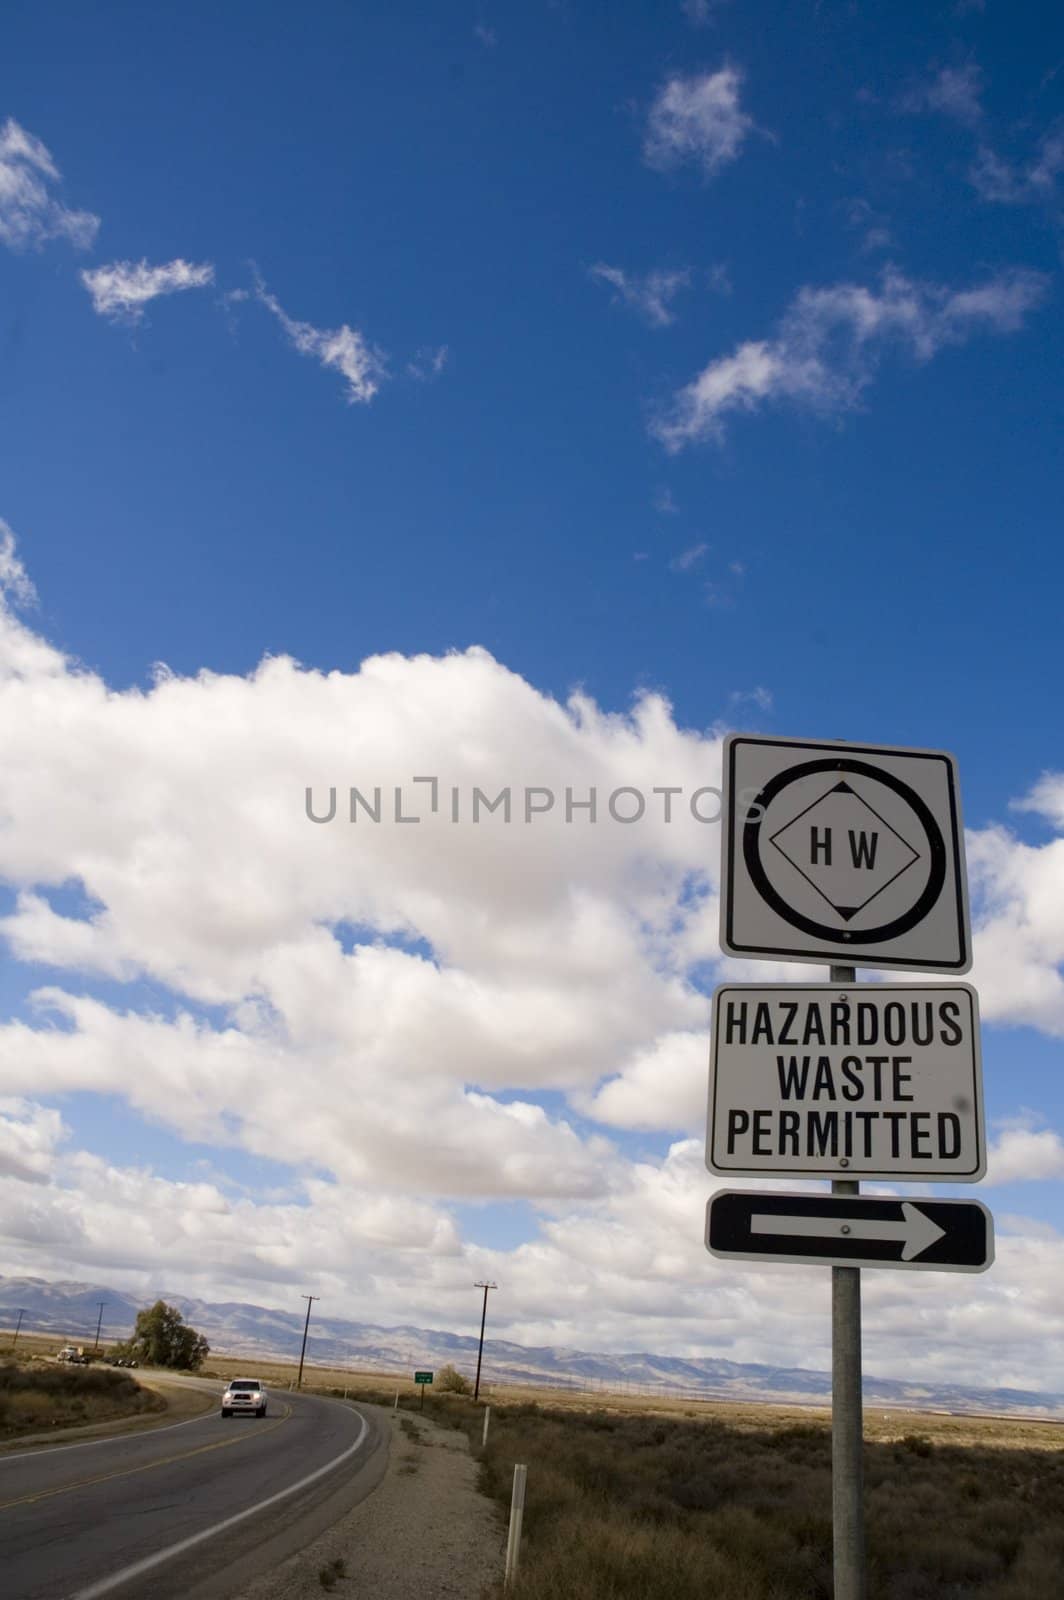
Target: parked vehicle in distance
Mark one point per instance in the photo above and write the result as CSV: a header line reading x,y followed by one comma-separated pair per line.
x,y
74,1354
243,1396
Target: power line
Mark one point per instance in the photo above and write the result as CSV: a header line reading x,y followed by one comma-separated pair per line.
x,y
483,1319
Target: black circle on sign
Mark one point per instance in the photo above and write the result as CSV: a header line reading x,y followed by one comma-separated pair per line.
x,y
865,936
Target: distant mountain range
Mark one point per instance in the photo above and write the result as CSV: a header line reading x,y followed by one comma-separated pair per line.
x,y
71,1311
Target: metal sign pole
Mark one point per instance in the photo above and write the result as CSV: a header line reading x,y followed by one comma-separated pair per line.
x,y
847,1426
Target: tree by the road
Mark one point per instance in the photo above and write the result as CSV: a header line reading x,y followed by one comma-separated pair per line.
x,y
450,1381
162,1338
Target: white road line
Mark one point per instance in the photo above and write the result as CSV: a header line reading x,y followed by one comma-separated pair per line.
x,y
115,1438
138,1568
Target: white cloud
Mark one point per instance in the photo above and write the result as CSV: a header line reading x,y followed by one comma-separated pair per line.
x,y
758,696
830,341
862,218
663,1087
380,1062
428,363
344,349
1035,183
1025,1155
700,13
122,289
30,1135
1046,799
397,1076
622,1269
688,558
649,293
953,92
697,118
14,580
1019,927
29,212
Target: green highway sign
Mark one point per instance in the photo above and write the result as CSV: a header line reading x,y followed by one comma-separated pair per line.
x,y
422,1377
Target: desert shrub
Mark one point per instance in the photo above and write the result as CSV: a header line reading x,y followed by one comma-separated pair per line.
x,y
44,1397
450,1381
636,1508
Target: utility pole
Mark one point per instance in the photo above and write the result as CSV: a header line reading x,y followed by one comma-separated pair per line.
x,y
483,1319
847,1424
310,1299
99,1323
18,1325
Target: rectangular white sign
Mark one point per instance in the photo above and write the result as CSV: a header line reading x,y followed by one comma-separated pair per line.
x,y
843,853
876,1080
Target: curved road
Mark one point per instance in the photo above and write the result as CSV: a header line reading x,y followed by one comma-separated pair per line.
x,y
189,1510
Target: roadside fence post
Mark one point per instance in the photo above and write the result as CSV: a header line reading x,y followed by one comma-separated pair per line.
x,y
517,1513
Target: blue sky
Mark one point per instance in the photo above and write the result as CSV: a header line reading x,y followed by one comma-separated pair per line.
x,y
701,352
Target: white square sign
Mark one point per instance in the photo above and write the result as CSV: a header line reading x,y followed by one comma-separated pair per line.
x,y
869,1080
843,853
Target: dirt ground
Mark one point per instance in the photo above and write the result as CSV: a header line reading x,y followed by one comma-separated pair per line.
x,y
425,1533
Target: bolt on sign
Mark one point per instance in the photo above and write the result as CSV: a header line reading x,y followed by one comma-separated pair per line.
x,y
843,853
868,1081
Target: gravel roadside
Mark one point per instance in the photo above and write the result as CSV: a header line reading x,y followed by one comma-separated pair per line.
x,y
425,1533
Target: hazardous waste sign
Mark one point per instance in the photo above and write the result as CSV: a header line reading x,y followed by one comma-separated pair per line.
x,y
876,1081
843,853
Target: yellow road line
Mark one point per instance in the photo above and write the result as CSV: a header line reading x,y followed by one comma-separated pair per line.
x,y
129,1472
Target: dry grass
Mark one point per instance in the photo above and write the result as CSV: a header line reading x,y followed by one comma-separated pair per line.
x,y
634,1507
35,1397
735,1503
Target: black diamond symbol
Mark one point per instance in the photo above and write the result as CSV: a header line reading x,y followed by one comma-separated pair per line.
x,y
844,849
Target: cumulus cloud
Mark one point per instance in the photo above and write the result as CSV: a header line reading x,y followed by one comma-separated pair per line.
x,y
343,349
122,289
1023,1154
489,961
697,118
30,1134
623,1269
14,580
827,347
30,213
648,294
1019,925
416,1018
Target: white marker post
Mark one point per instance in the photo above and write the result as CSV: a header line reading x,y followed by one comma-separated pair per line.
x,y
487,1419
517,1513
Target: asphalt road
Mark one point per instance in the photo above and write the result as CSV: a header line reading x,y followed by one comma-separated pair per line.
x,y
189,1511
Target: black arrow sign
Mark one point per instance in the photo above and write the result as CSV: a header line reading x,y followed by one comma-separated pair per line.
x,y
851,1231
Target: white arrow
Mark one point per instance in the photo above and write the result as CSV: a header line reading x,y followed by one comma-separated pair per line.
x,y
915,1229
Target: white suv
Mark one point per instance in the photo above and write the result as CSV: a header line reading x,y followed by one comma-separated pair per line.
x,y
244,1395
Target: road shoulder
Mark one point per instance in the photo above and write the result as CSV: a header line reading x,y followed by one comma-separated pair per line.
x,y
425,1533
